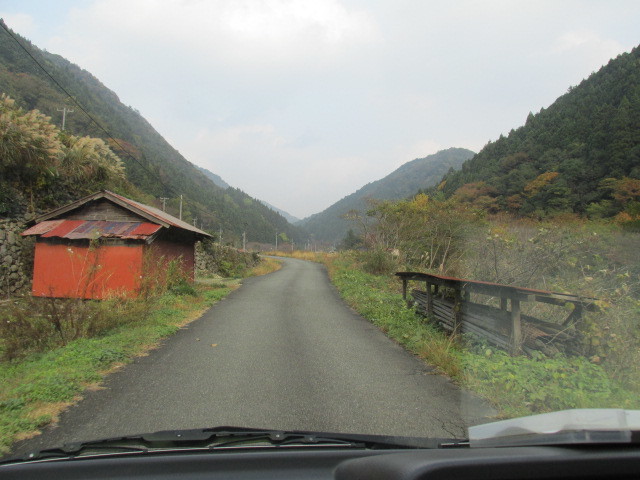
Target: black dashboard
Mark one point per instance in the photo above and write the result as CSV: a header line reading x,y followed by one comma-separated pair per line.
x,y
510,463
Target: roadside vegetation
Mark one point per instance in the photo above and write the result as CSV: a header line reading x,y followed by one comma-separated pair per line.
x,y
564,254
515,386
51,350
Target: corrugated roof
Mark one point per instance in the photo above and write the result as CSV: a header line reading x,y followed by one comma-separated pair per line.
x,y
64,228
522,290
92,229
42,227
145,211
159,214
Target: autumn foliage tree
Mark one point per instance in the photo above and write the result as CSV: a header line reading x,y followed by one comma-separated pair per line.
x,y
426,233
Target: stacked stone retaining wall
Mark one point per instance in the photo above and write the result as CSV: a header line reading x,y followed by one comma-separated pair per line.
x,y
213,259
16,258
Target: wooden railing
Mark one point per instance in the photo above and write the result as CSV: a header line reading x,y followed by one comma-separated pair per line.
x,y
447,301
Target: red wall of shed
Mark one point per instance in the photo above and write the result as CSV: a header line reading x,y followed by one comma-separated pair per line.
x,y
71,271
164,251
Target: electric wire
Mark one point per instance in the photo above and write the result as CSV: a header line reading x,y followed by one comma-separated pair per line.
x,y
168,188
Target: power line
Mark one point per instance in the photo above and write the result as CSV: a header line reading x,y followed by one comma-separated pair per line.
x,y
166,187
98,124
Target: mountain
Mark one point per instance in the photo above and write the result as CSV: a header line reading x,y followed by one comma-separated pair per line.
x,y
415,175
151,163
222,184
217,179
290,218
580,155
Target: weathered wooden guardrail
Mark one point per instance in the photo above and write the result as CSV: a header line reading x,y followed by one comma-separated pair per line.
x,y
506,326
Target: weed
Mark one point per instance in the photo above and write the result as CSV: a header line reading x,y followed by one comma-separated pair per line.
x,y
47,377
266,265
516,386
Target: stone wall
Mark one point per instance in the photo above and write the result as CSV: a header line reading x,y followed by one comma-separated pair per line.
x,y
16,258
212,259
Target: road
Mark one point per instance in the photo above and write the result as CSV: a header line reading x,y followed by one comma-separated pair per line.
x,y
283,352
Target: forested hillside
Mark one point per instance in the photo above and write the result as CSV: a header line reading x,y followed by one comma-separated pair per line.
x,y
150,163
420,173
582,154
217,179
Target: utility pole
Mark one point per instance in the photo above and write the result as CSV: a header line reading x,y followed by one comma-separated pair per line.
x,y
180,207
164,202
244,241
64,111
276,240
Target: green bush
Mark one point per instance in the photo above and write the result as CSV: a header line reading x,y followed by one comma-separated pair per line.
x,y
379,262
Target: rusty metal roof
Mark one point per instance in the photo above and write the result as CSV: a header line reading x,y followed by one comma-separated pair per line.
x,y
147,212
92,229
42,227
478,283
157,213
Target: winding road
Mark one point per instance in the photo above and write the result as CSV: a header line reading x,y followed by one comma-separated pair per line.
x,y
282,352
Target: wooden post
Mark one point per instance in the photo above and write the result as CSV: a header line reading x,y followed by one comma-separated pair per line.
x,y
574,316
429,301
516,325
503,303
404,288
457,311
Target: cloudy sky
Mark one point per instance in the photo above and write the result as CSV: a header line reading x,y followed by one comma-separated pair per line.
x,y
301,102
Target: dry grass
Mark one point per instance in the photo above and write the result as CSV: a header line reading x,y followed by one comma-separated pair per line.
x,y
318,257
266,266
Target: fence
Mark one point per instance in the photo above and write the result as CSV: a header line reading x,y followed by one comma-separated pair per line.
x,y
447,301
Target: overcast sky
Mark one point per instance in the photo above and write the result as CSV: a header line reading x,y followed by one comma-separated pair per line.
x,y
300,103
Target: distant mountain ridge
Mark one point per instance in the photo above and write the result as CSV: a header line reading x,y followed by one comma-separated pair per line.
x,y
151,163
415,175
217,179
290,218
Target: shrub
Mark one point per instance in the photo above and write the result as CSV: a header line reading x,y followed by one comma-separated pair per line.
x,y
40,324
379,262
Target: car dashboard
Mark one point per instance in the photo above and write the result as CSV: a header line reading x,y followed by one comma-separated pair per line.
x,y
510,463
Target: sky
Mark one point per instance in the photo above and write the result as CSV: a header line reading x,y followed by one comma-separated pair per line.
x,y
302,102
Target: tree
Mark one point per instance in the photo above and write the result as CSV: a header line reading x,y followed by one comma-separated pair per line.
x,y
427,233
351,241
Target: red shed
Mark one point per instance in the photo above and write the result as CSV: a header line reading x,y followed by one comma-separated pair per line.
x,y
105,244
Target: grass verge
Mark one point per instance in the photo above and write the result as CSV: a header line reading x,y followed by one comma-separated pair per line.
x,y
266,266
36,388
515,386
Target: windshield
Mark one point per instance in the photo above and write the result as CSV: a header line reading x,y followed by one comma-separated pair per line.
x,y
388,218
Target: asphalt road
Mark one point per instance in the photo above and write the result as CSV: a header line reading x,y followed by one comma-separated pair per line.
x,y
281,352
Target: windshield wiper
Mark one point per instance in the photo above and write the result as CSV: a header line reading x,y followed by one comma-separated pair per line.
x,y
568,427
223,438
